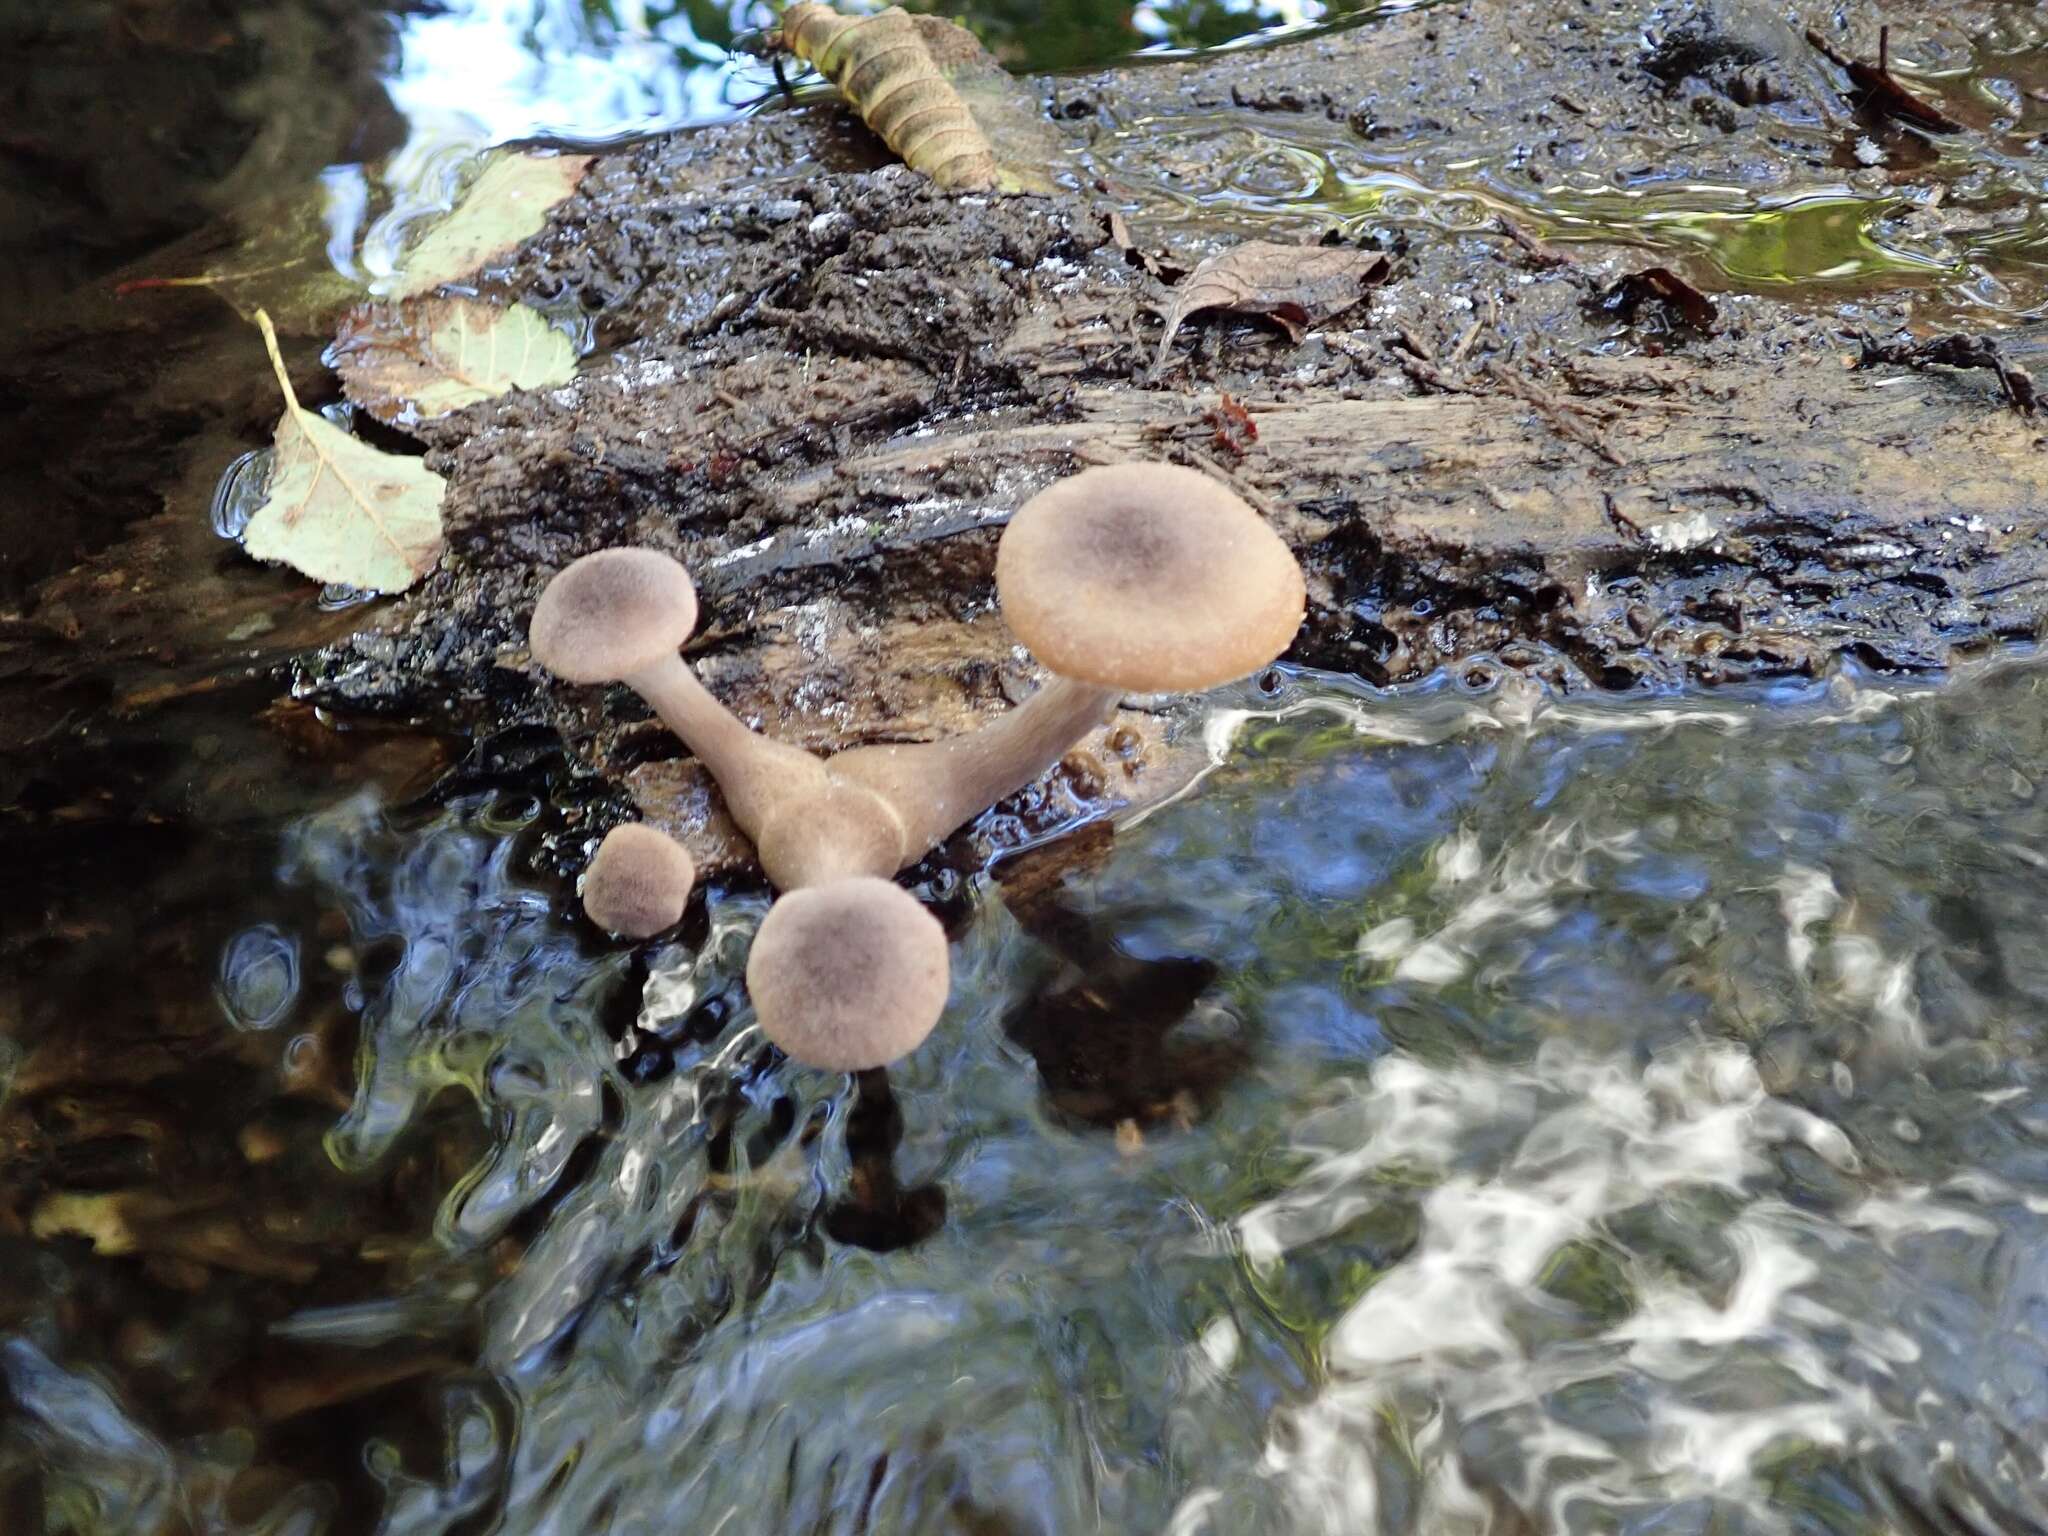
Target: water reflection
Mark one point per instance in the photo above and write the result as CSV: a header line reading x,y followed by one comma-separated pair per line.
x,y
1468,1108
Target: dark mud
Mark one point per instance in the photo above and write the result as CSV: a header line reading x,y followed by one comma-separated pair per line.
x,y
825,386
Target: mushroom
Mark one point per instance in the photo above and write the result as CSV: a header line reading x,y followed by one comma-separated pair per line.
x,y
1130,578
619,616
1134,578
639,881
848,975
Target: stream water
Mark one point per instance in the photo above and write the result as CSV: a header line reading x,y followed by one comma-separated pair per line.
x,y
1466,1109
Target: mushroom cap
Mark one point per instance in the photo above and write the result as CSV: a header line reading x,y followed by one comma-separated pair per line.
x,y
609,614
1147,577
850,974
639,882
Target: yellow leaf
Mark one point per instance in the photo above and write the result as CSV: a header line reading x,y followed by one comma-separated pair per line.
x,y
427,357
340,510
507,205
931,93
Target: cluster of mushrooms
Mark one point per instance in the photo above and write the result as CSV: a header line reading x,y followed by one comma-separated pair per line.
x,y
1135,578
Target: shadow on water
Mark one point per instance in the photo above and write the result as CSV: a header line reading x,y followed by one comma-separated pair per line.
x,y
1470,1108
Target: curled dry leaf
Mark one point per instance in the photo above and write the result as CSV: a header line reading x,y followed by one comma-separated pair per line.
x,y
1879,90
1139,256
931,93
1663,286
1295,286
338,509
426,357
506,205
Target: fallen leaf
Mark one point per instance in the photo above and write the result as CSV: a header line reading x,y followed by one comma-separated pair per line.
x,y
338,509
1879,89
1664,286
271,256
1954,351
1295,286
505,206
1137,255
426,357
931,93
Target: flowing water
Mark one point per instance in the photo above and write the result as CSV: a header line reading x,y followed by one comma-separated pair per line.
x,y
1465,1109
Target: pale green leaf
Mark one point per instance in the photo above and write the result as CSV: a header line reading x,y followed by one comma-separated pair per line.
x,y
427,357
340,510
504,206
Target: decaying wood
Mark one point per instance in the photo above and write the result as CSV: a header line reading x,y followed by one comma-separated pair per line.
x,y
827,389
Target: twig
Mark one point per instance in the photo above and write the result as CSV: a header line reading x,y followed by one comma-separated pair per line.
x,y
1956,351
1432,377
1561,414
1249,492
1541,253
1471,335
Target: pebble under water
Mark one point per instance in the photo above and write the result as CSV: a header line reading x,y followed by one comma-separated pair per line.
x,y
1465,1109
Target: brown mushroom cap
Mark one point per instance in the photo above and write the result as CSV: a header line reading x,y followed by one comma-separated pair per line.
x,y
848,975
639,882
1147,577
607,615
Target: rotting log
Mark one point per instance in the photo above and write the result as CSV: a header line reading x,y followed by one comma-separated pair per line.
x,y
825,385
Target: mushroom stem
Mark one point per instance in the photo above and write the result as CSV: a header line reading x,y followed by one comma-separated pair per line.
x,y
936,786
760,777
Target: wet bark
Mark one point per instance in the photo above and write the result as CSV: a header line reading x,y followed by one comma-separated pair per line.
x,y
826,385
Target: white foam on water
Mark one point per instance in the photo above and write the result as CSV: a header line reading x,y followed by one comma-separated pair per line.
x,y
1806,896
1705,1379
1519,891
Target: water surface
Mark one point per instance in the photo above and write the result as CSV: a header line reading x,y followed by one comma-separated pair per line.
x,y
1466,1109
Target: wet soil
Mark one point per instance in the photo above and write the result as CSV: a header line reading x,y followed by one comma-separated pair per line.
x,y
825,385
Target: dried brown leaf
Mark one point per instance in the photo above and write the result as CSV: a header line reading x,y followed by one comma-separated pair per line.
x,y
1139,256
1295,286
931,92
1879,90
1663,286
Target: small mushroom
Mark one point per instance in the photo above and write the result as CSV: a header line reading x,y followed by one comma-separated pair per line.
x,y
848,975
639,882
620,616
1130,578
